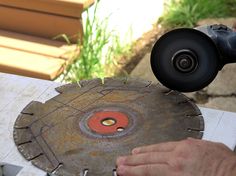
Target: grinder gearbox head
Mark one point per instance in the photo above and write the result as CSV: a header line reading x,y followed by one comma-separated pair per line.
x,y
185,60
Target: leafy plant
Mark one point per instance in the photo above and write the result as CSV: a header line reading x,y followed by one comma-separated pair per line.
x,y
186,13
97,49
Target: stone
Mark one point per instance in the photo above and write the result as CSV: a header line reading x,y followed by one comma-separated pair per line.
x,y
225,82
191,95
143,70
222,103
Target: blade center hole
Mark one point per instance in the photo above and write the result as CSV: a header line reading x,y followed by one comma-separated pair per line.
x,y
109,121
120,129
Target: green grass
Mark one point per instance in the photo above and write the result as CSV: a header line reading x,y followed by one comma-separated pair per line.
x,y
231,5
186,13
98,49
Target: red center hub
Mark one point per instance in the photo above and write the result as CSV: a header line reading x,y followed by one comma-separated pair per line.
x,y
108,122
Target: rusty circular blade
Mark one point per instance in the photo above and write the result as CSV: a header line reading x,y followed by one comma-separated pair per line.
x,y
60,137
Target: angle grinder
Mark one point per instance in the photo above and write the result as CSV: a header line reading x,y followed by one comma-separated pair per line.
x,y
188,59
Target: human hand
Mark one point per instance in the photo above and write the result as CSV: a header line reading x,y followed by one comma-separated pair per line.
x,y
190,157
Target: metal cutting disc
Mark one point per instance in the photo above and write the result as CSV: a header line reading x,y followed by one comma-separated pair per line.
x,y
185,60
82,130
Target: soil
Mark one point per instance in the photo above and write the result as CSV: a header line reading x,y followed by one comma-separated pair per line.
x,y
142,46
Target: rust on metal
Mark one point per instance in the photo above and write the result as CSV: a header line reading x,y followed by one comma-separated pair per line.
x,y
82,130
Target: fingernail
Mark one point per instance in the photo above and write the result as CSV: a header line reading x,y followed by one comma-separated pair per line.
x,y
120,170
135,151
120,160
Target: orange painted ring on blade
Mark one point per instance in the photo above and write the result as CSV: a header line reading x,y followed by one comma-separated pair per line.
x,y
108,122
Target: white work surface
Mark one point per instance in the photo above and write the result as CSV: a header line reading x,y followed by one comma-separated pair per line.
x,y
16,92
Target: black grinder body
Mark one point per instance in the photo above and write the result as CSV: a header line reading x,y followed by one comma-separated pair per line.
x,y
188,60
224,39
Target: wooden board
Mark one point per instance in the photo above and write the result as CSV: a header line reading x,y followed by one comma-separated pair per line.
x,y
29,64
27,29
34,45
72,8
39,24
33,56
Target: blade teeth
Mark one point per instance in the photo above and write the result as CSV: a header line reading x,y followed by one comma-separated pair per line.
x,y
184,101
85,172
114,173
168,92
194,129
57,168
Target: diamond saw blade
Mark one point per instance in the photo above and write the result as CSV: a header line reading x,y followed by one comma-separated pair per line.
x,y
89,124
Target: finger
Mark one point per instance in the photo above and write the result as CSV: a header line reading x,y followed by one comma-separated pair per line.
x,y
161,147
144,158
144,170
